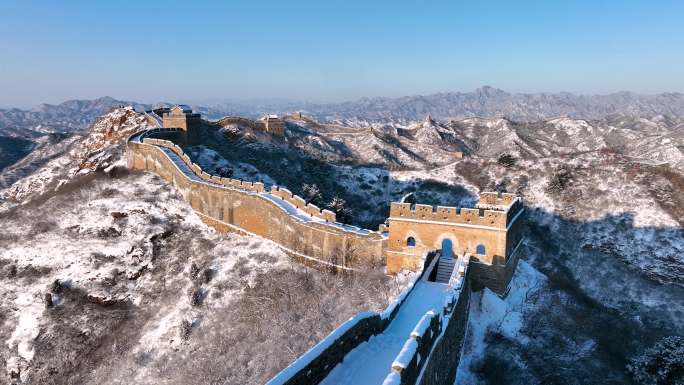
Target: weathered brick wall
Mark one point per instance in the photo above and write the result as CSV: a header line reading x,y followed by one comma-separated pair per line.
x,y
241,121
316,241
316,364
494,276
419,345
470,216
333,352
443,362
429,236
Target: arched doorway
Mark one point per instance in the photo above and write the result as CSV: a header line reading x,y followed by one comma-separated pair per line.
x,y
447,248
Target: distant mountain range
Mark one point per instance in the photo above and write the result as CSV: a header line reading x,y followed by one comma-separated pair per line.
x,y
76,115
69,116
488,101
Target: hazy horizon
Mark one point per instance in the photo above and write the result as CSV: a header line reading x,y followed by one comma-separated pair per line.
x,y
216,101
329,53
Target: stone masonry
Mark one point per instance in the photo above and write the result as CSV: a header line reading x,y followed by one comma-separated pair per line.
x,y
489,233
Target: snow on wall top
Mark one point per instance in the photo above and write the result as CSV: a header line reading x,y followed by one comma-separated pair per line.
x,y
282,197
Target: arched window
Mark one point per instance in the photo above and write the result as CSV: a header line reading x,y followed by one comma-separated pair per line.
x,y
411,242
480,250
447,248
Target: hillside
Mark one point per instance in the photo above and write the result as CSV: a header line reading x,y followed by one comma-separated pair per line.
x,y
604,228
601,284
110,278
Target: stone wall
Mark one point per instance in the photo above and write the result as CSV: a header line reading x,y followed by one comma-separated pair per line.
x,y
443,362
255,125
470,216
431,354
429,236
233,205
408,364
494,276
313,366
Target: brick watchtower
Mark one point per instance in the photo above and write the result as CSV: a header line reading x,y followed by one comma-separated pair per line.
x,y
181,116
489,233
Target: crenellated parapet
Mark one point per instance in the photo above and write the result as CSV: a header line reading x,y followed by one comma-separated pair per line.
x,y
493,210
497,199
300,203
258,187
470,216
269,123
490,232
302,230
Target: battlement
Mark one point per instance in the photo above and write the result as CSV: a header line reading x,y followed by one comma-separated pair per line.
x,y
493,210
490,232
269,123
496,200
298,202
470,216
301,204
241,121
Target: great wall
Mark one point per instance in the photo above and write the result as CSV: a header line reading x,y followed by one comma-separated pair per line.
x,y
453,250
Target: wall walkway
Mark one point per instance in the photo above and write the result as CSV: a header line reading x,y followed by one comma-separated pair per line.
x,y
305,232
416,340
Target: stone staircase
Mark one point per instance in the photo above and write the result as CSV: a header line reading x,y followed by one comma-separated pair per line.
x,y
444,269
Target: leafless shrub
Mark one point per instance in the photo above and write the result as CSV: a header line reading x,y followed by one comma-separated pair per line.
x,y
47,300
185,329
661,364
194,271
31,272
506,160
241,266
118,214
112,277
57,286
8,237
11,270
263,257
197,296
109,192
559,181
207,274
119,172
42,227
108,232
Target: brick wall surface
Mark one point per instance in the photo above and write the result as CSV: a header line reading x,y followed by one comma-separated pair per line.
x,y
257,215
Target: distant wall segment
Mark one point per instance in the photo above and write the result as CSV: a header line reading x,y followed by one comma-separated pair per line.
x,y
304,231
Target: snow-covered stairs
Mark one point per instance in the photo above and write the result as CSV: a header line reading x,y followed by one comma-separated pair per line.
x,y
444,269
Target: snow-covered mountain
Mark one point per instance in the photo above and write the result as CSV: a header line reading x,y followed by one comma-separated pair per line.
x,y
109,277
601,282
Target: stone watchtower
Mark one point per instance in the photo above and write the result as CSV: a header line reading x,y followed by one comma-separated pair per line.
x,y
274,125
489,233
181,116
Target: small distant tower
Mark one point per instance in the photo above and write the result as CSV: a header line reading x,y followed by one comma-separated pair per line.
x,y
181,116
274,125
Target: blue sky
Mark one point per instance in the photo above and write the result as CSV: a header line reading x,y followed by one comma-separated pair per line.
x,y
323,51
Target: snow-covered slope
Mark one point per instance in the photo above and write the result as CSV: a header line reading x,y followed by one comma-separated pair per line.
x,y
113,279
99,148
